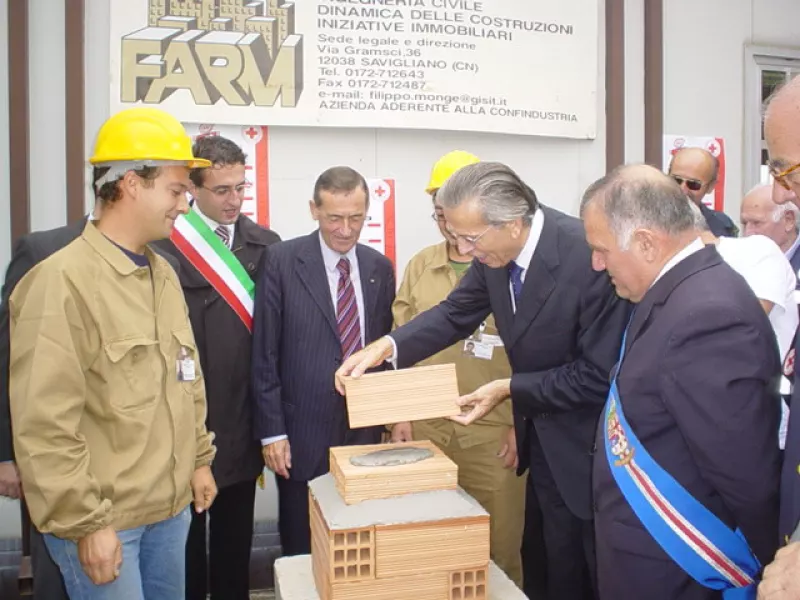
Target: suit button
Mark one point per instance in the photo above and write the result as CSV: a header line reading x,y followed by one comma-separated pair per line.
x,y
544,415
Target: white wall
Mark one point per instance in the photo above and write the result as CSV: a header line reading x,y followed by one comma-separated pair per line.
x,y
704,68
634,81
48,175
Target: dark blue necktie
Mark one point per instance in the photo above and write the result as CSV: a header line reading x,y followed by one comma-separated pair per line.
x,y
515,277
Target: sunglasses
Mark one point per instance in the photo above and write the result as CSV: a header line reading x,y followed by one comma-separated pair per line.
x,y
780,176
692,184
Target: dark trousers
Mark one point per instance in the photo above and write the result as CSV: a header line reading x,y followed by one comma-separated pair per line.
x,y
534,556
47,581
568,540
293,519
223,570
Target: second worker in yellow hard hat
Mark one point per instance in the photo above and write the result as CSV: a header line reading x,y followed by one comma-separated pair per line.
x,y
485,452
107,396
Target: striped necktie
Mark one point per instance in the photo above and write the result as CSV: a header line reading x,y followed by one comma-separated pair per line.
x,y
347,311
224,234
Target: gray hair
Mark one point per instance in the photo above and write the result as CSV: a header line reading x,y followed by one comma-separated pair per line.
x,y
630,202
700,222
501,194
782,209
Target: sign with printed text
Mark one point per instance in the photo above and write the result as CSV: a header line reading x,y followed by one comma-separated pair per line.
x,y
379,228
502,66
254,141
715,199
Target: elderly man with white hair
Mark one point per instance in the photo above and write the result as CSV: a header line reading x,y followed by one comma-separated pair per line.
x,y
761,215
686,470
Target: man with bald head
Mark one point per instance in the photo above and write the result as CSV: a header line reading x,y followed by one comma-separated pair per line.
x,y
686,456
696,171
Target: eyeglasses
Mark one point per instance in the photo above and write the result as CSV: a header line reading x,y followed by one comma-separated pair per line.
x,y
438,217
692,184
224,191
470,240
780,176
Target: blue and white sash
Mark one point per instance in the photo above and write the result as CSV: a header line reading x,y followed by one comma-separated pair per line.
x,y
688,532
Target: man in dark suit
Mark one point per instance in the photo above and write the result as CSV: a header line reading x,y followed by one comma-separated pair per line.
x,y
319,299
696,170
29,251
224,343
560,323
695,404
782,134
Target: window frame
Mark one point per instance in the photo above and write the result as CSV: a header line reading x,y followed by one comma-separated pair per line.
x,y
759,59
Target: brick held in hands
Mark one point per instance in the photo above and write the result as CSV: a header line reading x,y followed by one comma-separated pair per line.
x,y
403,395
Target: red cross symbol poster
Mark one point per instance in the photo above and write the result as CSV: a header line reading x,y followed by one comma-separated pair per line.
x,y
715,145
254,141
379,229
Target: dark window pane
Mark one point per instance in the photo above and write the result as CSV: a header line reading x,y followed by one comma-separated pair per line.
x,y
769,81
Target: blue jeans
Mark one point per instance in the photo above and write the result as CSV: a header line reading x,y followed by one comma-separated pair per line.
x,y
153,563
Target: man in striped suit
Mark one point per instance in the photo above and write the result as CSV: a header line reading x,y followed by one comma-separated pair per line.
x,y
319,298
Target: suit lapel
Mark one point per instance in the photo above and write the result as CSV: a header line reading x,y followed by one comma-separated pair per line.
x,y
367,269
497,279
311,271
539,281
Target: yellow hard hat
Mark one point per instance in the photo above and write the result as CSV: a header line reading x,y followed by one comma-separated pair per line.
x,y
144,135
447,165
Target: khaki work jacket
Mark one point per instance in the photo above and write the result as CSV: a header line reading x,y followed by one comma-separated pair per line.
x,y
105,432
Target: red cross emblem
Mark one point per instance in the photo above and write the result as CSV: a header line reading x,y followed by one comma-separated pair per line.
x,y
379,191
252,134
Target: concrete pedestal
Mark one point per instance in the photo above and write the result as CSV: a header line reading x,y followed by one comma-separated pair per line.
x,y
295,581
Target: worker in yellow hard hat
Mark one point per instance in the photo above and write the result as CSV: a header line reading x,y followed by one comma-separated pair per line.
x,y
485,452
107,396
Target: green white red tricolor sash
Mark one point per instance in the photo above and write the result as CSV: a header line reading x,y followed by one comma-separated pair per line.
x,y
215,261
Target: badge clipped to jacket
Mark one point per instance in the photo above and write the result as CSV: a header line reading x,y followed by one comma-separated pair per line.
x,y
185,365
478,346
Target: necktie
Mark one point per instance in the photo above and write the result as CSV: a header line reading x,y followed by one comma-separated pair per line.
x,y
224,234
347,311
515,277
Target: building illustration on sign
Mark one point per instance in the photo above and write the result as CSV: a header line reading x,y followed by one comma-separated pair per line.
x,y
244,52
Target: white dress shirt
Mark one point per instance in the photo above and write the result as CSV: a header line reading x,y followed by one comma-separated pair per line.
x,y
526,255
686,252
331,258
213,224
791,251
